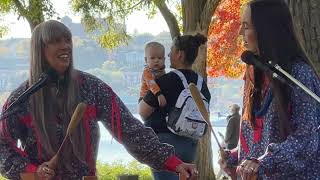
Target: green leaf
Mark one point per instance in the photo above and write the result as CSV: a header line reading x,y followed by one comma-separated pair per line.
x,y
112,39
105,19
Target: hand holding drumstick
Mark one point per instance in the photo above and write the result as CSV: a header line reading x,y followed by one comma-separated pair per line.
x,y
198,100
46,170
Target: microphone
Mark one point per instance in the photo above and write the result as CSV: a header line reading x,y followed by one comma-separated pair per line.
x,y
249,58
35,87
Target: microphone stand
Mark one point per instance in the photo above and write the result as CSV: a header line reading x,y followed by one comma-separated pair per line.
x,y
296,82
281,79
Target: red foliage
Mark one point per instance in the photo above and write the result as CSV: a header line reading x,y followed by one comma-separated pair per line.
x,y
224,46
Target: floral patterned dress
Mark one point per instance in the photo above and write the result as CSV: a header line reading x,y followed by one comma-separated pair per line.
x,y
104,106
298,157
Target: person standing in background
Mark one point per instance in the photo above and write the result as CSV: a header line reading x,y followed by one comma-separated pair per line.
x,y
232,131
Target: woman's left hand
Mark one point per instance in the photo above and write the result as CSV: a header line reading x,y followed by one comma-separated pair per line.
x,y
248,169
44,172
187,170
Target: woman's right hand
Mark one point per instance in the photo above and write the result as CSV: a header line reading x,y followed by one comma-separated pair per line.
x,y
223,165
248,169
44,172
222,158
187,171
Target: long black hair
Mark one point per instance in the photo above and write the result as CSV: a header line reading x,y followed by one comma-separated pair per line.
x,y
278,43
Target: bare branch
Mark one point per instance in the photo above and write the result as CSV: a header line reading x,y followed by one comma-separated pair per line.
x,y
169,17
207,13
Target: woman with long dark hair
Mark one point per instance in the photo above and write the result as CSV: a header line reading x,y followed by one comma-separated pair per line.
x,y
279,137
41,122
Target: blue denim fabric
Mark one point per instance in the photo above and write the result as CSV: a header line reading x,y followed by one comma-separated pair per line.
x,y
185,149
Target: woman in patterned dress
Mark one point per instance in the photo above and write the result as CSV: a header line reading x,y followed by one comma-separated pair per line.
x,y
279,136
40,122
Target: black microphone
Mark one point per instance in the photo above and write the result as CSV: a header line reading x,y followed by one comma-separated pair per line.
x,y
249,58
51,74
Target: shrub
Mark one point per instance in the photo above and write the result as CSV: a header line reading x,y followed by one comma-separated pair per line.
x,y
111,171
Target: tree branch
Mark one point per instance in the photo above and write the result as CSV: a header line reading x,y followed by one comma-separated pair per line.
x,y
207,14
20,8
132,7
169,18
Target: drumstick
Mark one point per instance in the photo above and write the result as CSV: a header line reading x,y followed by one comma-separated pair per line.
x,y
200,105
75,119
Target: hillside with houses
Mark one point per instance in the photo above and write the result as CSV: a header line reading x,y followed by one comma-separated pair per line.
x,y
121,67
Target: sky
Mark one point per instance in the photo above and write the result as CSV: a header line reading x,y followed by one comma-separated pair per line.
x,y
137,21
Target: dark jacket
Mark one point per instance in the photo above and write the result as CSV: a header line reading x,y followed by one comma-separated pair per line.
x,y
232,132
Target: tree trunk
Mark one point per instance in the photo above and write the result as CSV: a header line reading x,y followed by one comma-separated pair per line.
x,y
195,20
200,64
306,17
32,24
204,151
196,17
191,13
